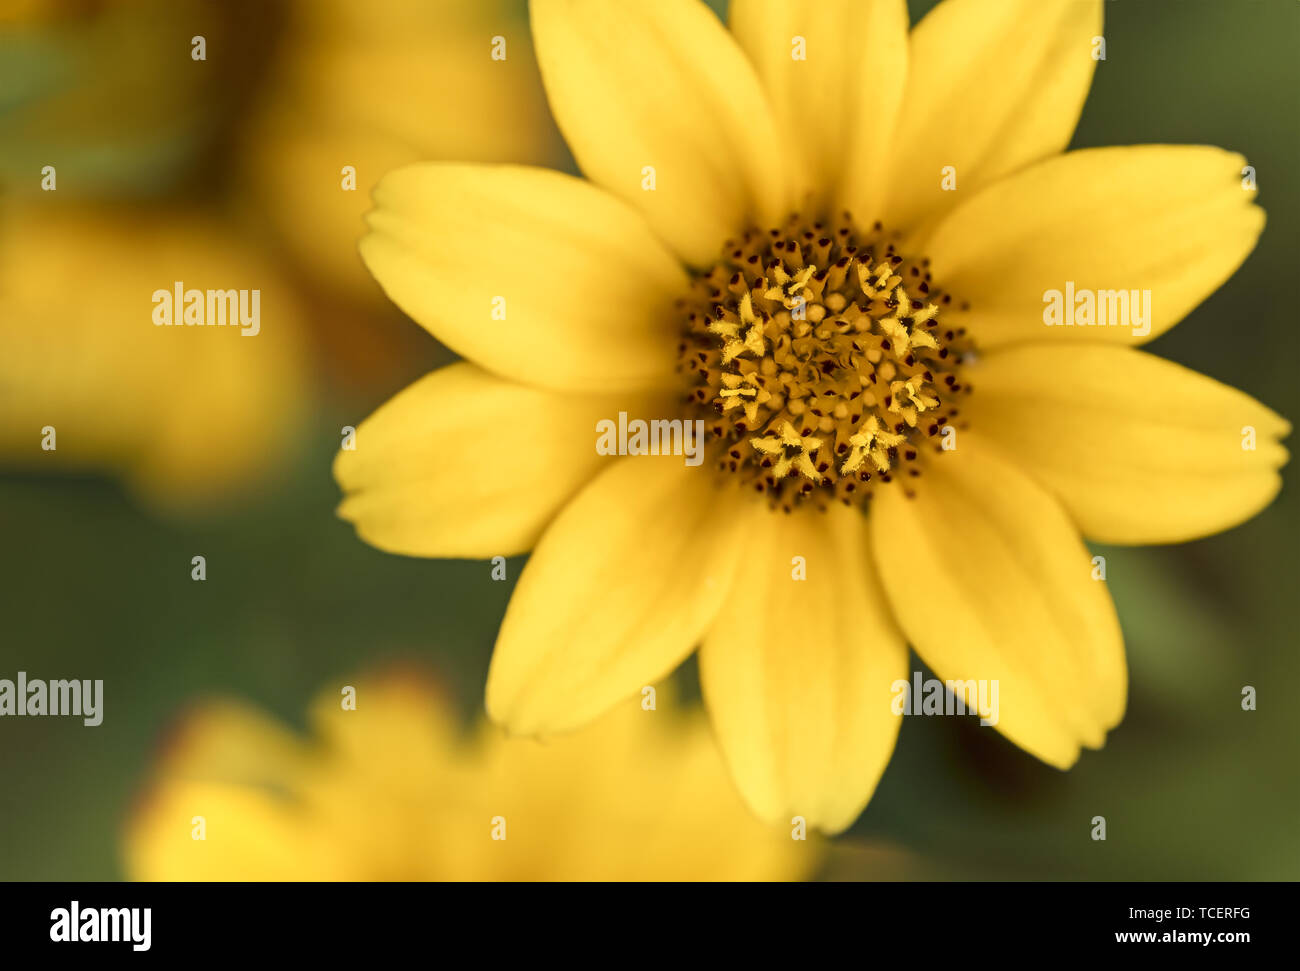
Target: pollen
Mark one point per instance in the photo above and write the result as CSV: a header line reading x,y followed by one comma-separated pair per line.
x,y
818,358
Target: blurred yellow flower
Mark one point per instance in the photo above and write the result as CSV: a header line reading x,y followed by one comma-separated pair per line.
x,y
108,95
816,235
374,86
186,415
393,790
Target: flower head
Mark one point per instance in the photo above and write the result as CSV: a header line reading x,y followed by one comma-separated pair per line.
x,y
832,243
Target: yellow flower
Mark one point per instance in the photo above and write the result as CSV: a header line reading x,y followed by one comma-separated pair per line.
x,y
370,87
754,220
186,415
391,791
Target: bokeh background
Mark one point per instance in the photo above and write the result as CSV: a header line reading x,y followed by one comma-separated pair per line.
x,y
95,557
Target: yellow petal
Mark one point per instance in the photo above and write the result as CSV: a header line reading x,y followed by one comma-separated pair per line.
x,y
388,783
619,590
1139,449
664,86
463,463
1170,219
249,834
990,581
837,103
797,673
228,741
187,415
537,276
403,717
637,795
992,85
226,764
330,102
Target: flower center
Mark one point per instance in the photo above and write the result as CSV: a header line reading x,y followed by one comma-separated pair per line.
x,y
819,361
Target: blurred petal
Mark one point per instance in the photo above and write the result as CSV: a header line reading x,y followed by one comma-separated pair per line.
x,y
582,291
212,811
226,741
1171,219
619,590
837,105
403,716
419,481
992,86
1139,449
188,415
249,834
365,86
990,582
797,674
640,794
682,99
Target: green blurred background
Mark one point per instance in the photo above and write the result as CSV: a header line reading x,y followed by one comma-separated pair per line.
x,y
95,585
